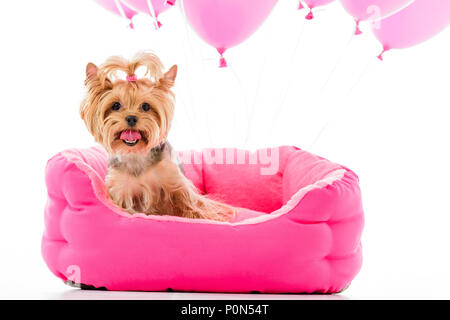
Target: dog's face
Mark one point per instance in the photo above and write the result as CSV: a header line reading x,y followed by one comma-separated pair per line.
x,y
129,116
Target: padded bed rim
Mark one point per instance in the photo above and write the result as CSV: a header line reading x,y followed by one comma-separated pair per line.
x,y
101,193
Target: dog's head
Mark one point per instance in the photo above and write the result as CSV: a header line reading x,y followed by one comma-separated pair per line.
x,y
131,115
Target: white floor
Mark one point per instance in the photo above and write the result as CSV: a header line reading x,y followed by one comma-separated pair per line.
x,y
404,285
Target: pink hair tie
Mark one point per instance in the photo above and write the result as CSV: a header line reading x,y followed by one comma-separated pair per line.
x,y
132,78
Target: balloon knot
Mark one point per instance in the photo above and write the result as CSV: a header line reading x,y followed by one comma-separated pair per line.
x,y
380,56
357,29
310,15
131,25
300,5
159,24
223,62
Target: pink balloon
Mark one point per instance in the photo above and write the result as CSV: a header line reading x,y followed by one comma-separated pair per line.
x,y
373,10
312,4
159,6
118,8
225,24
317,3
416,23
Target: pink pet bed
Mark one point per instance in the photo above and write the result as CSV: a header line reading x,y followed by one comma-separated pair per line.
x,y
298,229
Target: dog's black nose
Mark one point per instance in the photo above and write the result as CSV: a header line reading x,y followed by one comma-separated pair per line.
x,y
131,120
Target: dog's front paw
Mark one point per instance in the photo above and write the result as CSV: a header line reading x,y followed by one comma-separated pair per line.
x,y
122,193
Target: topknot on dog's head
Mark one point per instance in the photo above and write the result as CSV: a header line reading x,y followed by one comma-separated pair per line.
x,y
108,71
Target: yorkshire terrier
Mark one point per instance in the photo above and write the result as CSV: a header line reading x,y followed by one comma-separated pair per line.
x,y
131,119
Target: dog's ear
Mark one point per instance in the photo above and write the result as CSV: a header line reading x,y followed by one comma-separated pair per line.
x,y
91,71
170,76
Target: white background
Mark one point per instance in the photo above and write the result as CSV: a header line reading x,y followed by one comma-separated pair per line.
x,y
387,121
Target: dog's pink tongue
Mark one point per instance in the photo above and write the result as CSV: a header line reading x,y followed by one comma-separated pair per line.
x,y
130,135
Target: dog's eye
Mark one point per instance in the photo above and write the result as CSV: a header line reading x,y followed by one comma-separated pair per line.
x,y
116,106
145,107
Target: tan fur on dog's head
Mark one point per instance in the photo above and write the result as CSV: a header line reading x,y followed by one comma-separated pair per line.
x,y
110,101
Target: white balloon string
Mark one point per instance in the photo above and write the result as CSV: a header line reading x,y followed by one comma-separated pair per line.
x,y
290,80
251,112
329,77
188,116
338,62
343,105
233,71
190,89
120,9
152,13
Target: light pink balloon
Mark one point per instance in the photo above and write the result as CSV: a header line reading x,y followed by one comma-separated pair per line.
x,y
313,4
159,6
111,5
416,23
373,10
226,23
317,3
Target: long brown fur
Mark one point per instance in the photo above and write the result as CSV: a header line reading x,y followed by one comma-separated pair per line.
x,y
140,179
